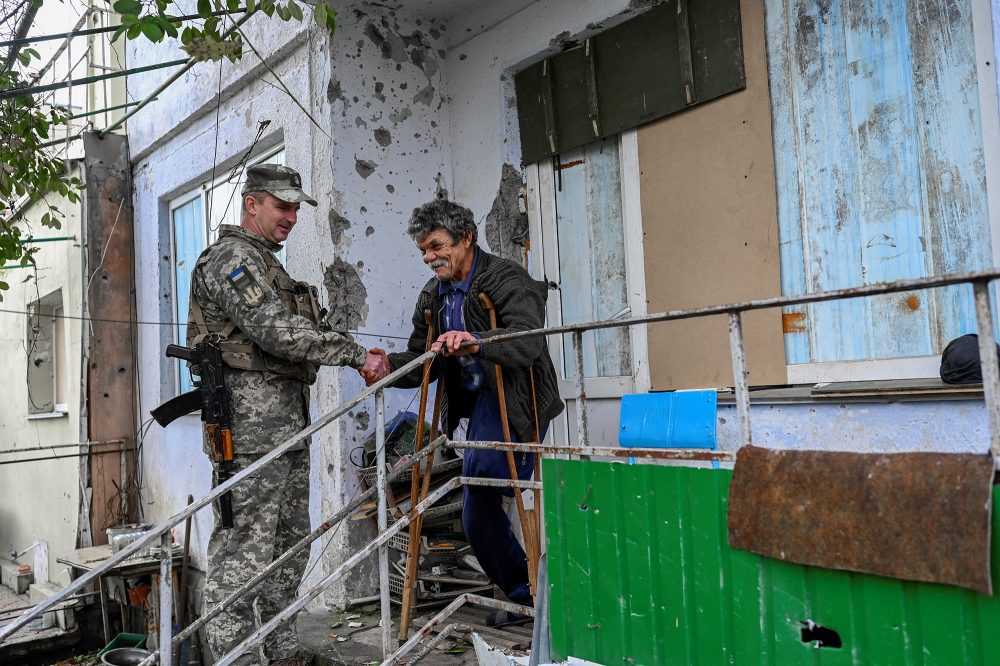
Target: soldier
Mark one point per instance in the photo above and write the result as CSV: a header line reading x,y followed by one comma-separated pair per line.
x,y
274,338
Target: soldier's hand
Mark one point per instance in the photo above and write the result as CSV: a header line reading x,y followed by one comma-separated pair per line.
x,y
376,366
450,343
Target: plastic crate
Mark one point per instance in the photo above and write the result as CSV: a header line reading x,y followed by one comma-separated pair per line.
x,y
124,640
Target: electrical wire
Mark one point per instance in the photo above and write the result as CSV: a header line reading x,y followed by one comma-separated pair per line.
x,y
66,456
372,334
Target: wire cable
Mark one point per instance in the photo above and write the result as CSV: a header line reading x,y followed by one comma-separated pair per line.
x,y
372,334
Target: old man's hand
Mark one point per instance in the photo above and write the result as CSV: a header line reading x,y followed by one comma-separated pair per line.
x,y
450,343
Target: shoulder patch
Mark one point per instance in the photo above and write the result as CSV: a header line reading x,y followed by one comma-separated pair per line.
x,y
246,286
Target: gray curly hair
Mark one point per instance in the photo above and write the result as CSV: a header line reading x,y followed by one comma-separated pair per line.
x,y
441,214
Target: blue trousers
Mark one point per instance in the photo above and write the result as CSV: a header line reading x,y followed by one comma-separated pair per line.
x,y
485,522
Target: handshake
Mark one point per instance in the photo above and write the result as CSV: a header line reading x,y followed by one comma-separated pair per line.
x,y
377,365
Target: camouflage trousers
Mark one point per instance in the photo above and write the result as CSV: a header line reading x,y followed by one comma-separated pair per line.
x,y
270,514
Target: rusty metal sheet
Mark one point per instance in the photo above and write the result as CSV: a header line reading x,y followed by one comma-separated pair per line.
x,y
916,516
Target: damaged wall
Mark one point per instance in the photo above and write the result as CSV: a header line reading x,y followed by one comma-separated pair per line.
x,y
385,103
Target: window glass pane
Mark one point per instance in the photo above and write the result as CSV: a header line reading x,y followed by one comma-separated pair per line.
x,y
40,345
591,246
189,240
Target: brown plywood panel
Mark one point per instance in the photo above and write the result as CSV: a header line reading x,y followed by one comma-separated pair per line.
x,y
710,225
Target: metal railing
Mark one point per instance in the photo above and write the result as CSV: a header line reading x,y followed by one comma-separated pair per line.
x,y
980,281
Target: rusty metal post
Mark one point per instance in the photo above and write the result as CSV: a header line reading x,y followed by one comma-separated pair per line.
x,y
988,359
166,619
583,436
383,522
740,377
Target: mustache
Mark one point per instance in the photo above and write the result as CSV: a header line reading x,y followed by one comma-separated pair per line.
x,y
438,263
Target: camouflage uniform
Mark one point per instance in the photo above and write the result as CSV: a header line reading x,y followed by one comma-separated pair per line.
x,y
272,344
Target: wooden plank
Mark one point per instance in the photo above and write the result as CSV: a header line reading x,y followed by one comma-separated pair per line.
x,y
879,155
112,350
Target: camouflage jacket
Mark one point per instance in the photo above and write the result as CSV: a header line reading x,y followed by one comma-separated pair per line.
x,y
242,293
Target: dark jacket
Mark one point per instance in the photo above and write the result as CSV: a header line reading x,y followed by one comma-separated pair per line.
x,y
520,305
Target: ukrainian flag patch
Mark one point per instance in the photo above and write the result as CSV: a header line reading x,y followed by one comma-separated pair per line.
x,y
246,286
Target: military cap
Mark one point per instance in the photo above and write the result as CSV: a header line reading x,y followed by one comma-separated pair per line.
x,y
280,181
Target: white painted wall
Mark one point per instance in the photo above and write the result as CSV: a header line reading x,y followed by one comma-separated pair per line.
x,y
41,500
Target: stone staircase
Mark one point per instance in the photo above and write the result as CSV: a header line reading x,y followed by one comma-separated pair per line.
x,y
18,591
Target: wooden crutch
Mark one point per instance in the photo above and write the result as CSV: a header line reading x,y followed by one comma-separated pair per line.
x,y
413,547
528,518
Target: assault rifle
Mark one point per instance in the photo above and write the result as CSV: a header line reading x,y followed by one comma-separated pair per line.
x,y
213,399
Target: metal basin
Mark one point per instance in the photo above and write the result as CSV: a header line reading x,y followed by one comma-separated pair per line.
x,y
125,656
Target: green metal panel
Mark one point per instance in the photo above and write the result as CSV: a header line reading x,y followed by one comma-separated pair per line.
x,y
673,56
641,572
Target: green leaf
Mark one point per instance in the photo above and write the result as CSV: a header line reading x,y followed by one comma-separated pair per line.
x,y
166,26
133,31
294,10
232,5
152,31
204,8
127,6
251,6
319,13
187,35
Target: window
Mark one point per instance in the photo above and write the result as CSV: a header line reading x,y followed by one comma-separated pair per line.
x,y
584,215
882,171
195,218
45,345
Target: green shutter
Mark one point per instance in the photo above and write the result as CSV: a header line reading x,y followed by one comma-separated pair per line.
x,y
674,56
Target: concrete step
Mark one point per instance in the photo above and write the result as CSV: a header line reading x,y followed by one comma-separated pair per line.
x,y
16,576
41,634
64,615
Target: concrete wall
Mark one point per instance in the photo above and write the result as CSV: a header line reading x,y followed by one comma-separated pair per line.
x,y
41,500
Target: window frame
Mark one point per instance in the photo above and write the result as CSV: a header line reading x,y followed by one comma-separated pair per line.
x,y
210,233
47,310
540,178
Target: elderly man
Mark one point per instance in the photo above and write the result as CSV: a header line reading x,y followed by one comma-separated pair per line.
x,y
445,234
273,337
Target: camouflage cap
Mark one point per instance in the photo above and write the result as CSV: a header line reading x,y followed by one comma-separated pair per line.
x,y
282,182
